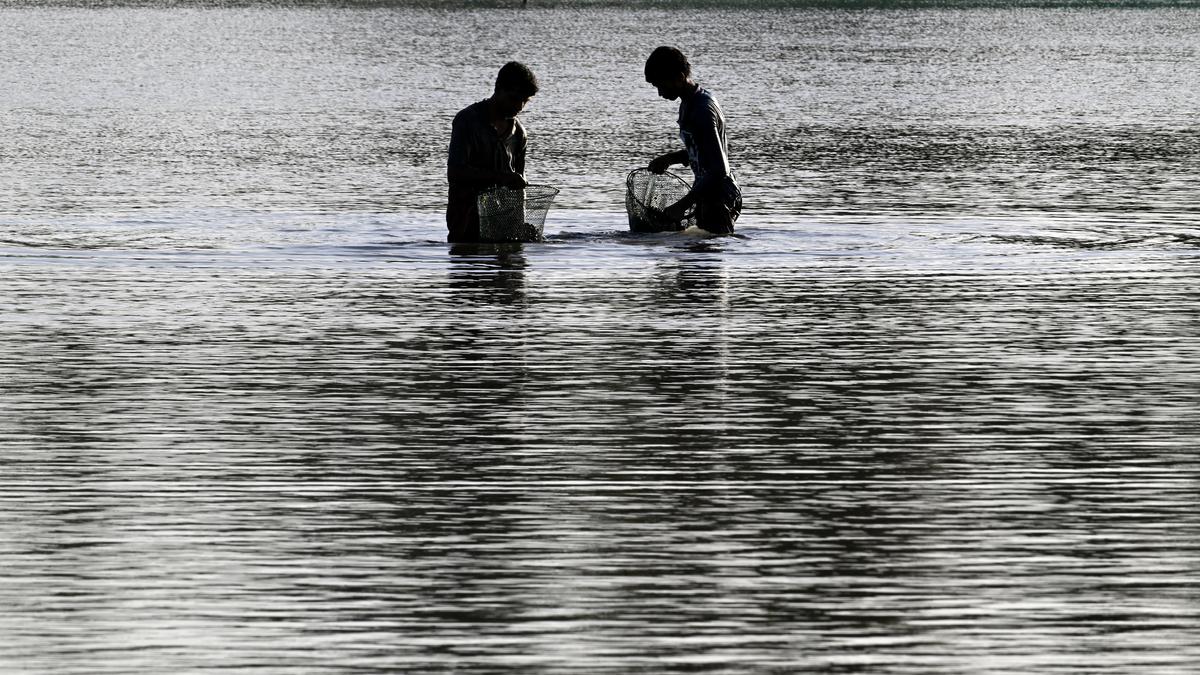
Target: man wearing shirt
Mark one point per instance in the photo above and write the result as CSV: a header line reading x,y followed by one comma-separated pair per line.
x,y
715,193
487,149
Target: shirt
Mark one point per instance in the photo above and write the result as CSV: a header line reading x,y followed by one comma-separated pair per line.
x,y
474,142
702,130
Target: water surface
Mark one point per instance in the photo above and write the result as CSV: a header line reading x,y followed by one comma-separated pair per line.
x,y
933,411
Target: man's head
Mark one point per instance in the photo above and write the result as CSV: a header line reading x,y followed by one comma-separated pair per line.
x,y
515,85
669,71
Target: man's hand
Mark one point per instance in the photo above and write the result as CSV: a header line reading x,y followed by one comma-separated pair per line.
x,y
512,181
668,217
675,212
661,164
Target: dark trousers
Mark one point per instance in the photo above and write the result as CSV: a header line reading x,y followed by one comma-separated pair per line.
x,y
462,216
718,215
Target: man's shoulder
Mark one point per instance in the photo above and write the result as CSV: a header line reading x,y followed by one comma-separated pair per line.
x,y
701,105
706,99
472,113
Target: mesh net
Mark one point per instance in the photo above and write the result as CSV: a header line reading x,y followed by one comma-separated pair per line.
x,y
514,215
647,194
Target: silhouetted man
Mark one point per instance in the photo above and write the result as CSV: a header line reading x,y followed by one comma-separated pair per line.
x,y
487,149
715,193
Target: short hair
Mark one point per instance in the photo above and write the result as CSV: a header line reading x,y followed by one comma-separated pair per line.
x,y
665,63
517,77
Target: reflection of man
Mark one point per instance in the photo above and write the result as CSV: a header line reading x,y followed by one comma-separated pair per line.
x,y
487,148
715,194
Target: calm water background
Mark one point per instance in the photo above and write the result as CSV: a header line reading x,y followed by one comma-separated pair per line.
x,y
935,411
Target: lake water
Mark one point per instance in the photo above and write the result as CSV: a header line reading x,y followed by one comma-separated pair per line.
x,y
935,410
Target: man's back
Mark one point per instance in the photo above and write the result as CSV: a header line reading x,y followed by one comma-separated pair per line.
x,y
702,130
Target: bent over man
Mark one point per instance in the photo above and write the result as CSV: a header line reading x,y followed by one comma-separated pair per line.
x,y
487,149
715,193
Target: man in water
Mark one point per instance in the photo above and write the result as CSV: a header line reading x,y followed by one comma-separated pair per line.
x,y
487,149
715,194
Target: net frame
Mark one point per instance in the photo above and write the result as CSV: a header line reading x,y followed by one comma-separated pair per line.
x,y
508,215
648,193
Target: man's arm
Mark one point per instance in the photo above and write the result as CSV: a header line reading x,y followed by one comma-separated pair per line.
x,y
679,210
518,160
662,163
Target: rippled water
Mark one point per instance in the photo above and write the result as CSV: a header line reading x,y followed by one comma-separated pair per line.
x,y
933,411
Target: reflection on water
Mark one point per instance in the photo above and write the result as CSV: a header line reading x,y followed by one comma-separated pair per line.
x,y
914,452
487,273
934,411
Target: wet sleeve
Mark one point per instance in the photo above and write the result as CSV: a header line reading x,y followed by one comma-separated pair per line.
x,y
458,154
518,160
710,155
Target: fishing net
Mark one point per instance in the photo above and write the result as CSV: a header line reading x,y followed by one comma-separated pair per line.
x,y
648,193
514,215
